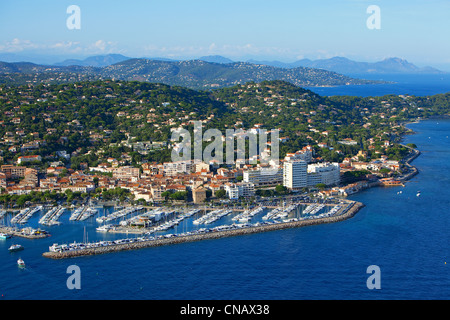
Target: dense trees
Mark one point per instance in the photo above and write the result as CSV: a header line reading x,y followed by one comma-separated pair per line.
x,y
84,117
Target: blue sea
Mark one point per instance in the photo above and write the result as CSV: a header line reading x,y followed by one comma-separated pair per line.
x,y
405,235
418,85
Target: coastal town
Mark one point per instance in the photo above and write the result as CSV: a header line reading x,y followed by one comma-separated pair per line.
x,y
199,182
62,167
304,183
47,148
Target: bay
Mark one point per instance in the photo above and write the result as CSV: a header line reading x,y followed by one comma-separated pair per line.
x,y
405,235
407,84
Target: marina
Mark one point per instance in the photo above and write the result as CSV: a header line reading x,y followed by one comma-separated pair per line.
x,y
248,214
75,249
77,213
212,216
168,224
87,213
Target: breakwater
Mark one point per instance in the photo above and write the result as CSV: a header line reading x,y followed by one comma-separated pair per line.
x,y
350,212
413,170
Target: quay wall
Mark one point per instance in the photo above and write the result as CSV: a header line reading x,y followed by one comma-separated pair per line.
x,y
21,234
204,236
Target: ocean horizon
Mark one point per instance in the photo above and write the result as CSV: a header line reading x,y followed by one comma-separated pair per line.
x,y
407,84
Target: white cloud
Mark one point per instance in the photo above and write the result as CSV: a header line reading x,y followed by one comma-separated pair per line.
x,y
227,50
60,47
18,45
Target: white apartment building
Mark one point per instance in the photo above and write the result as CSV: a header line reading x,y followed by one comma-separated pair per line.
x,y
295,174
305,155
326,173
126,173
270,176
178,167
240,189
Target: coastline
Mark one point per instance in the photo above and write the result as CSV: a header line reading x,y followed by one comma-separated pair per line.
x,y
356,206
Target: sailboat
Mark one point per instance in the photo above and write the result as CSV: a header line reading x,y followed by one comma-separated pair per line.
x,y
418,194
85,236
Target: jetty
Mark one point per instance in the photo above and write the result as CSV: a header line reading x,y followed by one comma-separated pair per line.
x,y
212,216
78,250
119,214
248,214
51,217
28,233
87,213
407,161
25,214
78,213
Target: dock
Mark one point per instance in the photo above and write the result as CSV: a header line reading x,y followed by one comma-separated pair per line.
x,y
132,244
78,213
23,216
27,233
119,214
52,216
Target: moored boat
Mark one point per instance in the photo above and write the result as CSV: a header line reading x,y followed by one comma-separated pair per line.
x,y
4,236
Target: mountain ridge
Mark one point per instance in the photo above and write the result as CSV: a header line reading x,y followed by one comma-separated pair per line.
x,y
194,74
346,66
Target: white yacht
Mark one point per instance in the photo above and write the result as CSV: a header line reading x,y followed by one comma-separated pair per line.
x,y
15,247
104,228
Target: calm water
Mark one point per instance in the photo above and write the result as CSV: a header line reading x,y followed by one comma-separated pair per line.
x,y
406,236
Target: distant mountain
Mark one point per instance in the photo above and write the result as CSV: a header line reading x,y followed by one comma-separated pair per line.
x,y
94,61
347,66
33,68
199,74
280,64
216,59
195,74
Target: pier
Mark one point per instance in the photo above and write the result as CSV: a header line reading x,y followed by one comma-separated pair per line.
x,y
78,213
133,244
52,216
27,233
23,216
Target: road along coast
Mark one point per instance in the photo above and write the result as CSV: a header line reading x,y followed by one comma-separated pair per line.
x,y
352,209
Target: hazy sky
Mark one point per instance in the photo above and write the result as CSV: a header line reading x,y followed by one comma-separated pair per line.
x,y
285,30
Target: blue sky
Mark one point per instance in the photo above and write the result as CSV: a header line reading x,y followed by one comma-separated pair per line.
x,y
284,30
